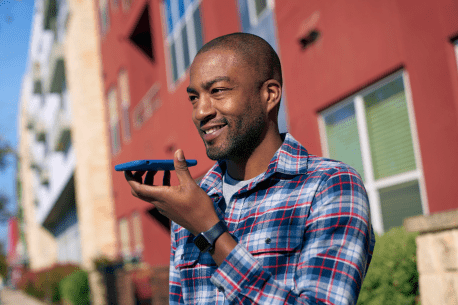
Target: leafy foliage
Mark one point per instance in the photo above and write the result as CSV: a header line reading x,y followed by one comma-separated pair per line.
x,y
392,277
75,288
44,284
3,266
5,151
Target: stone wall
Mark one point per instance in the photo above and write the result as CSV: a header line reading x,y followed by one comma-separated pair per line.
x,y
90,138
437,256
160,285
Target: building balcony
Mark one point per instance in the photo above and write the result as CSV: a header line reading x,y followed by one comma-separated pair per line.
x,y
62,18
55,80
62,131
50,14
44,177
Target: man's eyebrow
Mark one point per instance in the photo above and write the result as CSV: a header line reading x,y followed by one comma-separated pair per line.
x,y
207,85
191,90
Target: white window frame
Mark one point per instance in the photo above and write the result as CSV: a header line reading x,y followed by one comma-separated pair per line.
x,y
104,6
456,51
124,238
255,18
175,37
113,111
124,95
137,225
372,185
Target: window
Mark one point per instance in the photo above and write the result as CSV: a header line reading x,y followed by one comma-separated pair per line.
x,y
115,4
123,81
147,106
257,8
114,121
104,17
374,131
126,5
124,238
456,51
138,233
141,35
184,34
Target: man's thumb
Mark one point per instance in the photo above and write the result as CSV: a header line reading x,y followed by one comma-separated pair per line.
x,y
181,167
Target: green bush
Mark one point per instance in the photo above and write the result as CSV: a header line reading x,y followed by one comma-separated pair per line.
x,y
392,277
75,288
44,284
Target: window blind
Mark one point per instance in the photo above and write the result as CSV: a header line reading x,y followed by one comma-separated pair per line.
x,y
343,138
399,202
389,130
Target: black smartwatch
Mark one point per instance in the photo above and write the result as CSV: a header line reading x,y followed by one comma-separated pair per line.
x,y
205,241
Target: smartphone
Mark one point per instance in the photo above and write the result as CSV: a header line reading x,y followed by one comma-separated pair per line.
x,y
150,165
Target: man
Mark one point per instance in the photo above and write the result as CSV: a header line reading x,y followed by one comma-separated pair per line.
x,y
269,224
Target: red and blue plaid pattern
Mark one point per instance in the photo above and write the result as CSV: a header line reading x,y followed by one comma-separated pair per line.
x,y
304,234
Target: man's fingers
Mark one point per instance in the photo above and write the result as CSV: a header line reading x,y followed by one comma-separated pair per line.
x,y
149,178
181,168
134,177
166,180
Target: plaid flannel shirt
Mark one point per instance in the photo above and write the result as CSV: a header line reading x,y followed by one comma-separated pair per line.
x,y
303,230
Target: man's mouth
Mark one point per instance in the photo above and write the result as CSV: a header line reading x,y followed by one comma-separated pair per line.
x,y
212,130
212,133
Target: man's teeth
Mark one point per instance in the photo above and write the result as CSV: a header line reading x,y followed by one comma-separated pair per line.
x,y
212,130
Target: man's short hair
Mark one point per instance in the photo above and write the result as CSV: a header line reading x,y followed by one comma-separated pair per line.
x,y
254,50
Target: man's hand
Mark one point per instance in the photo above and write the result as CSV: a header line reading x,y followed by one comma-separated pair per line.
x,y
186,204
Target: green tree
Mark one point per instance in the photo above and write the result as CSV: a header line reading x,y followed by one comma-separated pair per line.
x,y
5,151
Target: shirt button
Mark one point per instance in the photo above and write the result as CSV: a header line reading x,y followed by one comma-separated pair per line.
x,y
220,289
268,240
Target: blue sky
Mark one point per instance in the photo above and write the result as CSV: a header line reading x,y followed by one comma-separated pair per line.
x,y
15,26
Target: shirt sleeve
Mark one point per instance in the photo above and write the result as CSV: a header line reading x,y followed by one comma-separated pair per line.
x,y
176,296
337,248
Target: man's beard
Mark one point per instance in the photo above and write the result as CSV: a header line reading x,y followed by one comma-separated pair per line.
x,y
239,145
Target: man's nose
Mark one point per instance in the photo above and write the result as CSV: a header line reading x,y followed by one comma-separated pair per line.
x,y
204,110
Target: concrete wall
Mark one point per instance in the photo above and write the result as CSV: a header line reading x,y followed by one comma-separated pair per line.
x,y
94,193
437,256
41,246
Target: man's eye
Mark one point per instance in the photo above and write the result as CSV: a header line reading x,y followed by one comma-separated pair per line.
x,y
217,90
192,98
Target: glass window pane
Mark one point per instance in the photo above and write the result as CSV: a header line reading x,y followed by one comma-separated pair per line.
x,y
104,17
399,202
181,8
138,232
342,137
173,61
260,6
185,46
124,237
198,29
123,82
168,9
389,130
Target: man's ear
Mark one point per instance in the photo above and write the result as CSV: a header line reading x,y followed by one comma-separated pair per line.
x,y
272,93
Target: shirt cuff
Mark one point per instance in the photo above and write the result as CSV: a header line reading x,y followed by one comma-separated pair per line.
x,y
240,272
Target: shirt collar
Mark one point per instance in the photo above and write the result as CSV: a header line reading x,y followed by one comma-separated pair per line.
x,y
290,159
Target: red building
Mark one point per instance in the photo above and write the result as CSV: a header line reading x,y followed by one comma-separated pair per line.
x,y
16,254
149,108
372,84
376,85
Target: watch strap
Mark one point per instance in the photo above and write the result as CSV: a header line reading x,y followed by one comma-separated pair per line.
x,y
205,241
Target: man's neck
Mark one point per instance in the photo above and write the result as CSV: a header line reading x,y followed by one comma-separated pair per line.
x,y
258,161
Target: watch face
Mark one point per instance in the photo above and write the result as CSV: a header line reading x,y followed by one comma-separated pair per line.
x,y
201,243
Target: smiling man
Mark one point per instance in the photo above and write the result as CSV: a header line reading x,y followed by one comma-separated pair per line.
x,y
269,223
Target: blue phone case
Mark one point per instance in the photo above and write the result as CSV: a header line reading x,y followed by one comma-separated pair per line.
x,y
150,165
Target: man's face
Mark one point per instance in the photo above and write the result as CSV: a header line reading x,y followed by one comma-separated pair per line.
x,y
227,105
